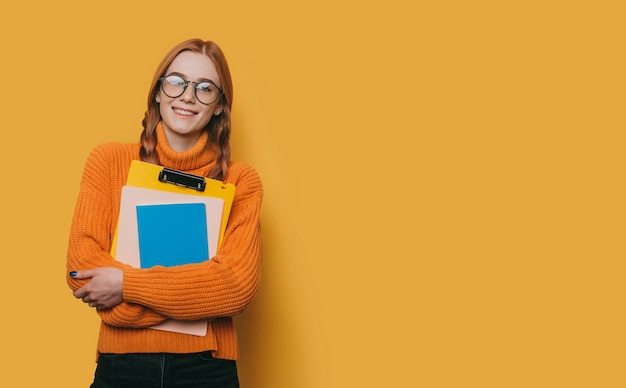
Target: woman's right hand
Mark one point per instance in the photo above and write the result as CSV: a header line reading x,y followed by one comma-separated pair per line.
x,y
104,290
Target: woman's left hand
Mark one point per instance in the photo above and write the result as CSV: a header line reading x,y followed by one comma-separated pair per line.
x,y
104,290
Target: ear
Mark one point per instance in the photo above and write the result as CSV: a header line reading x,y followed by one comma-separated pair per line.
x,y
217,112
158,99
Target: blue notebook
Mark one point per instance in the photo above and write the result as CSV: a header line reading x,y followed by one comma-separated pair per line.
x,y
172,234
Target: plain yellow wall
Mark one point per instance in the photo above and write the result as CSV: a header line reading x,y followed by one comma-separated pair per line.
x,y
444,183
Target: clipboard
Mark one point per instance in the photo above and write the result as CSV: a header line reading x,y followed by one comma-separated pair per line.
x,y
150,184
152,176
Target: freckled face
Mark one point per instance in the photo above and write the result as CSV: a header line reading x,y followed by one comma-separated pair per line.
x,y
184,117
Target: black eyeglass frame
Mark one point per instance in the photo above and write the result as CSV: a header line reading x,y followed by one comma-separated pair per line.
x,y
195,89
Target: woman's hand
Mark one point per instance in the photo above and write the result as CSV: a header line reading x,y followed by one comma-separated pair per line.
x,y
104,290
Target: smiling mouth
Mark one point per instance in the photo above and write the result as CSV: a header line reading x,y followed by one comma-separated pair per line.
x,y
183,112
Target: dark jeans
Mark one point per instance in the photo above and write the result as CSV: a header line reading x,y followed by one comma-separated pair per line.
x,y
164,370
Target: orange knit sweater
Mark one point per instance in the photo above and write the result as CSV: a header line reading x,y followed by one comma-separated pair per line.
x,y
217,289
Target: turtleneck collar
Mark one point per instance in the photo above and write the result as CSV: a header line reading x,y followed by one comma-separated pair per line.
x,y
197,160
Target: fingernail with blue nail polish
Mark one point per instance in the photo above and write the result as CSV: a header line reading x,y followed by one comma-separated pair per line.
x,y
73,273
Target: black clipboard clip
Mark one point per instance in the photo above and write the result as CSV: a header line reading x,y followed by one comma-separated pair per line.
x,y
179,178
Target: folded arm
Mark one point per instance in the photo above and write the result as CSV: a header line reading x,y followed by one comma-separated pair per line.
x,y
90,238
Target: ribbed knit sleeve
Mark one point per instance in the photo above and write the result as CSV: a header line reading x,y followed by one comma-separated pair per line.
x,y
93,223
220,287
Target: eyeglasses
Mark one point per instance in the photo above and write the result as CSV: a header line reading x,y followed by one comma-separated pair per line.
x,y
206,91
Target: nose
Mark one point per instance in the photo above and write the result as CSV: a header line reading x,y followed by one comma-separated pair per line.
x,y
190,93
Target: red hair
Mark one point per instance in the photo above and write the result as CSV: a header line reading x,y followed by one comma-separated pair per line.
x,y
218,127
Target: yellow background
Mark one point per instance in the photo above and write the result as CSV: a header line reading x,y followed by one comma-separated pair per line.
x,y
444,183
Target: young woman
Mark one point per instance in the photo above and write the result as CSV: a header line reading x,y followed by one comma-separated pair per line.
x,y
186,127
